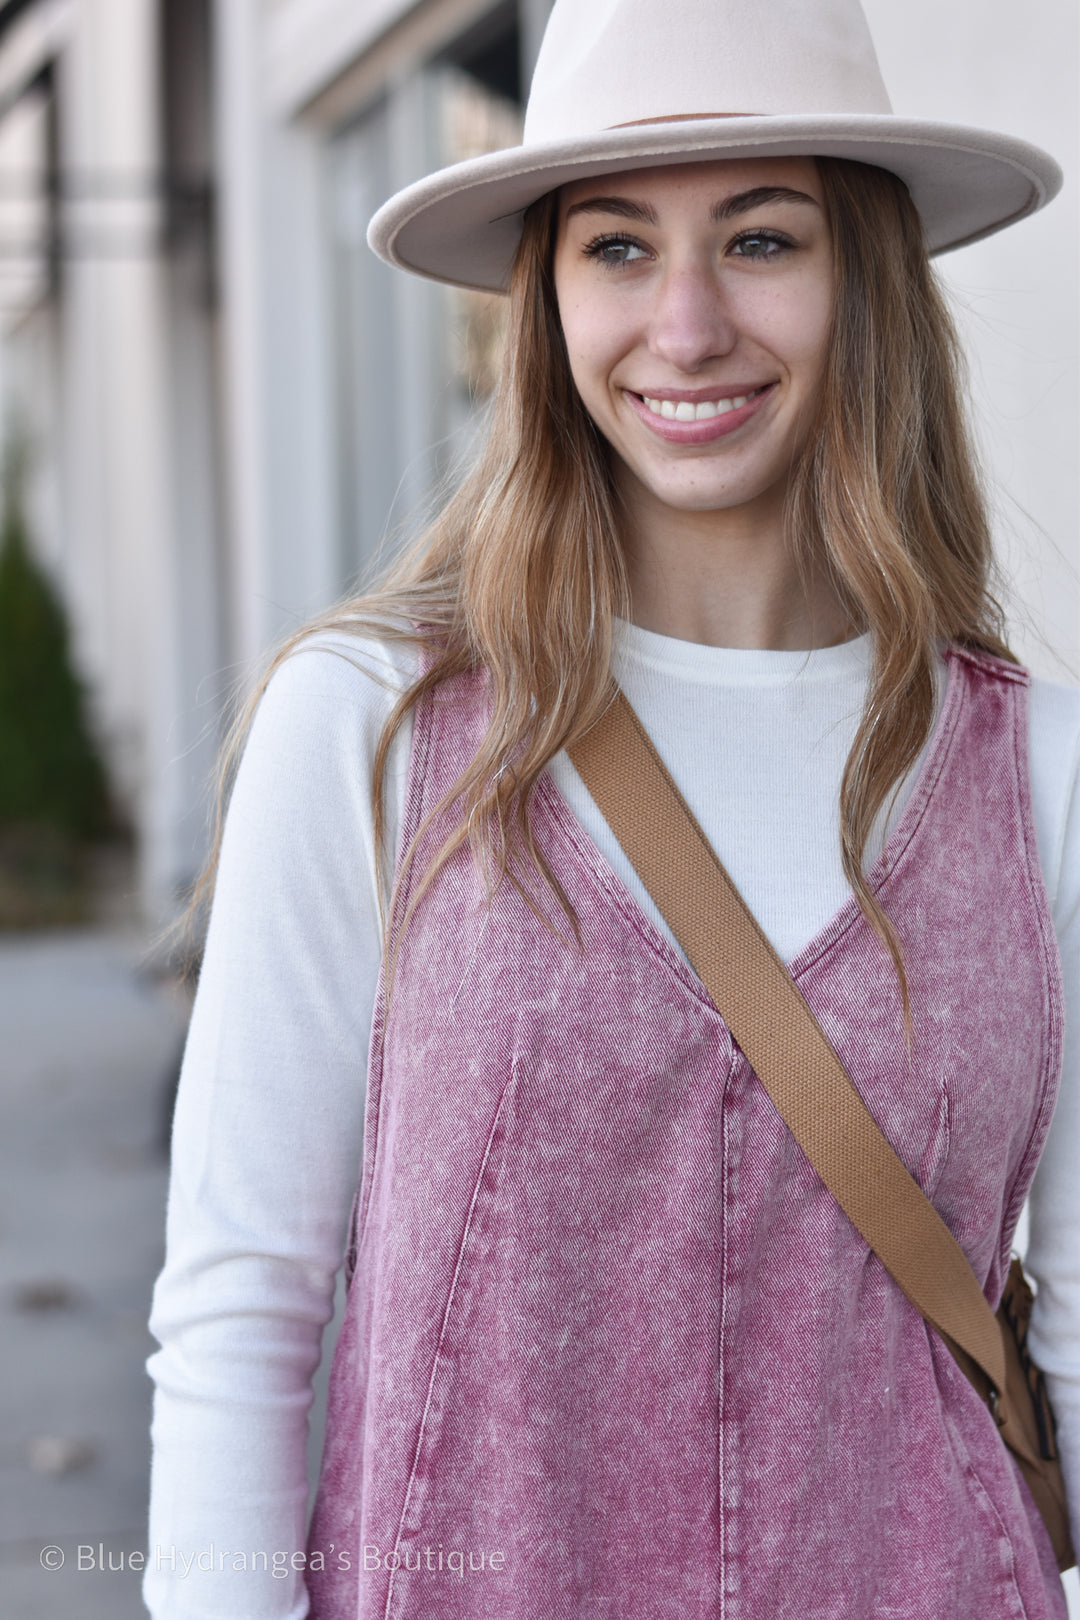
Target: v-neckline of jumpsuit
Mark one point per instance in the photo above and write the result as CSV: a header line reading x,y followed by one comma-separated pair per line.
x,y
896,847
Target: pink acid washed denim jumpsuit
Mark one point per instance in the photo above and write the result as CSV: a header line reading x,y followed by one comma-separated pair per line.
x,y
611,1350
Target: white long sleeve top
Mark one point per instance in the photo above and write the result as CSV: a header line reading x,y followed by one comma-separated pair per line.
x,y
267,1138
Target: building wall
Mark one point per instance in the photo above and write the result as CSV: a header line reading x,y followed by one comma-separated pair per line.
x,y
106,354
115,461
337,418
1016,293
82,358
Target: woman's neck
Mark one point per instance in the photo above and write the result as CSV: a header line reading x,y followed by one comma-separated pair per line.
x,y
724,578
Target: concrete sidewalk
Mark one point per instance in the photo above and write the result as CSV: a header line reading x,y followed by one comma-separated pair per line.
x,y
88,1045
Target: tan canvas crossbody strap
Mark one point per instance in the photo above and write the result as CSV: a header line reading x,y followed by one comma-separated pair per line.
x,y
765,1012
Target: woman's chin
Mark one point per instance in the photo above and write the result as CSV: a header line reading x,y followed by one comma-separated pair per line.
x,y
694,491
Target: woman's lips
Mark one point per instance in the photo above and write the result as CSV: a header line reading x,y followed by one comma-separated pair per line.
x,y
705,430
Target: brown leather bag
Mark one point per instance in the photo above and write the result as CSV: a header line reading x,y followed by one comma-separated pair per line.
x,y
765,1012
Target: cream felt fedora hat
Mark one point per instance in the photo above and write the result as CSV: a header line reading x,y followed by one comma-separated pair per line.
x,y
627,84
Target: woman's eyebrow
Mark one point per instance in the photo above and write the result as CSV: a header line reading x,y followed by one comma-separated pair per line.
x,y
740,203
743,201
623,206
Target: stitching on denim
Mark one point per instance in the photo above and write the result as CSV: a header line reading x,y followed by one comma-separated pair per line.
x,y
721,1379
897,850
602,877
959,1447
946,1131
996,668
415,798
972,1474
443,1330
468,966
1051,962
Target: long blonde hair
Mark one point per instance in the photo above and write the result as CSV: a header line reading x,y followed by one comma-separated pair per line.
x,y
522,572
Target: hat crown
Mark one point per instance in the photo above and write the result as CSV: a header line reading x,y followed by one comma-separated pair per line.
x,y
605,63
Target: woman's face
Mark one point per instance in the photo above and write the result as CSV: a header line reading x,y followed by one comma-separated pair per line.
x,y
696,303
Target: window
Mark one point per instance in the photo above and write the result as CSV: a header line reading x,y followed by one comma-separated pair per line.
x,y
416,361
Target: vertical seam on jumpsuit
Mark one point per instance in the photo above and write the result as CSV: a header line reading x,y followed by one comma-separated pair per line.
x,y
442,1335
472,958
1051,975
946,1131
976,1479
889,863
415,799
722,1526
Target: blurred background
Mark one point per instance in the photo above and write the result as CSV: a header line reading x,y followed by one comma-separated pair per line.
x,y
216,409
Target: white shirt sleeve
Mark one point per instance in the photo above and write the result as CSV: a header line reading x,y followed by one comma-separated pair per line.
x,y
1053,1254
267,1139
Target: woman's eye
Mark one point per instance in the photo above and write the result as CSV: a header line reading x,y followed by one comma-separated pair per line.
x,y
614,251
761,245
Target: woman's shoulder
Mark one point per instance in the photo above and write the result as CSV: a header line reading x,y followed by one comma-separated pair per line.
x,y
300,805
1054,728
366,668
315,730
1054,732
1055,708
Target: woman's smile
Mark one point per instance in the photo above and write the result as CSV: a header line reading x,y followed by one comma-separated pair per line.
x,y
681,418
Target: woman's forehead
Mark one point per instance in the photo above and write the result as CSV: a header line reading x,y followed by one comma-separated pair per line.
x,y
716,177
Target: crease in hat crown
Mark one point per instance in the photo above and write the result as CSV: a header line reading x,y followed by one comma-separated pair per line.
x,y
626,84
608,63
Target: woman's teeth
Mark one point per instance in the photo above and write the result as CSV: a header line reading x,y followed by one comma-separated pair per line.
x,y
684,411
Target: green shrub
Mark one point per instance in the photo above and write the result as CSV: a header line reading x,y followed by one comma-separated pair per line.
x,y
51,775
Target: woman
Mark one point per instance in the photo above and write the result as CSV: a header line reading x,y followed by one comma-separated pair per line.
x,y
610,1347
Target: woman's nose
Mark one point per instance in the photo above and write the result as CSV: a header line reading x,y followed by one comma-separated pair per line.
x,y
692,322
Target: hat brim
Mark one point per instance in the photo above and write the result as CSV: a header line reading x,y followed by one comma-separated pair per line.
x,y
462,224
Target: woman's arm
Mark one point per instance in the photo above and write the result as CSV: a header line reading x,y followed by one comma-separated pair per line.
x,y
267,1141
1053,1256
